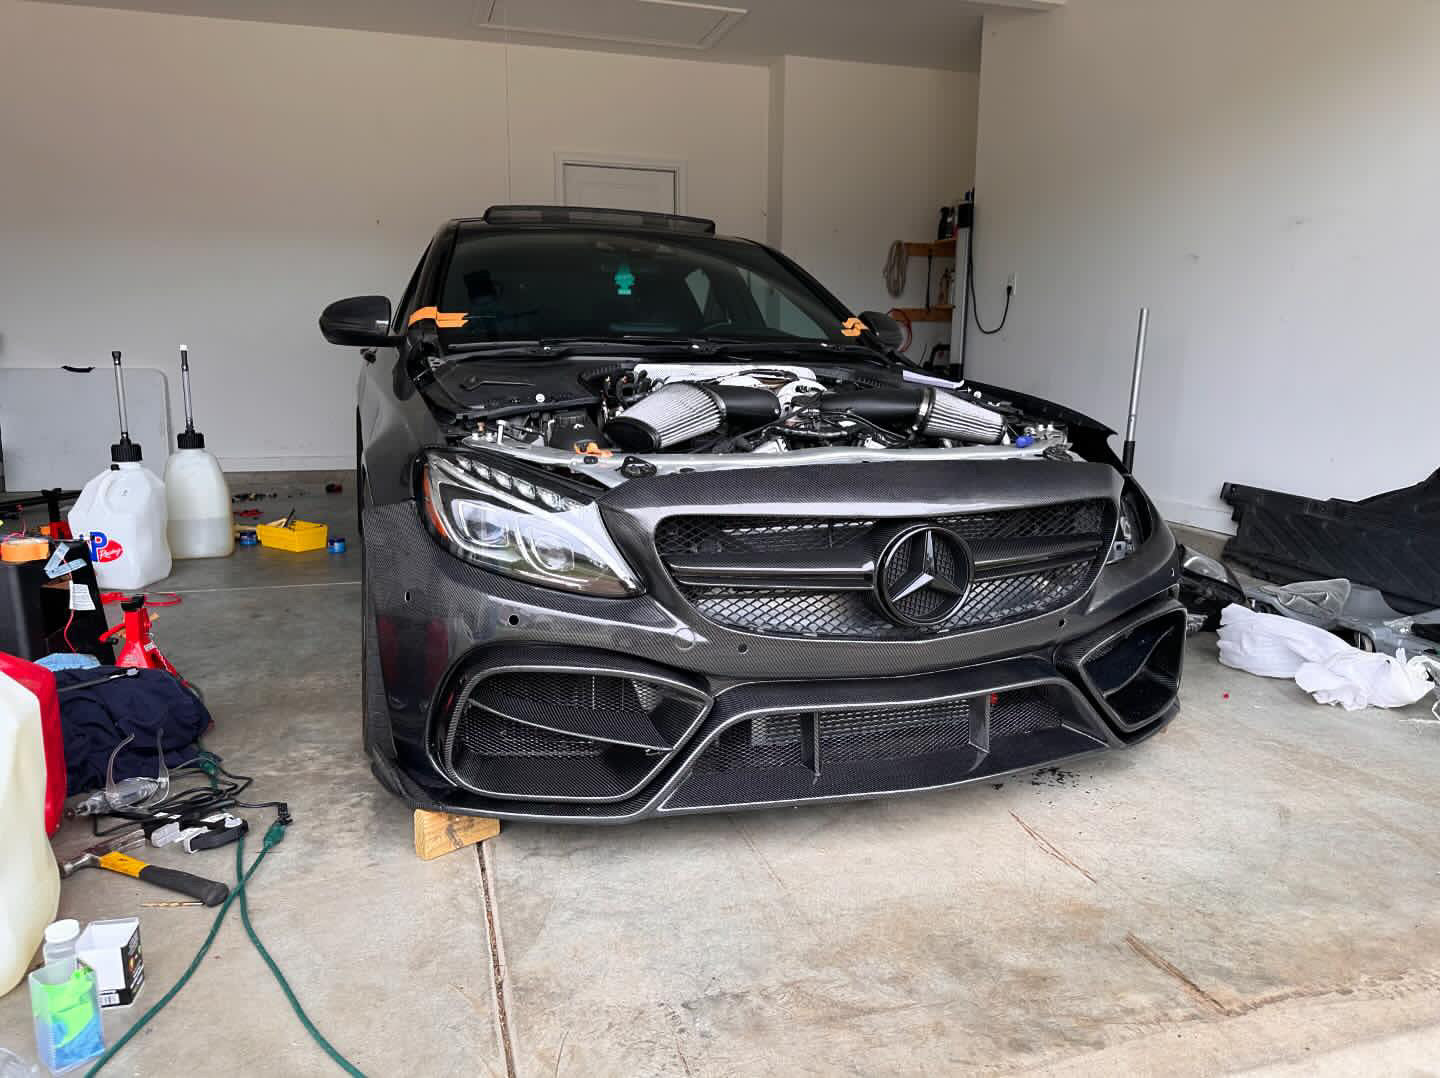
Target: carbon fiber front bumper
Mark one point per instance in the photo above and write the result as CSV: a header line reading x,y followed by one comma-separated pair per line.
x,y
433,620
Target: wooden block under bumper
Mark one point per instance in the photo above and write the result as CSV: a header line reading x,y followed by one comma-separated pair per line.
x,y
438,833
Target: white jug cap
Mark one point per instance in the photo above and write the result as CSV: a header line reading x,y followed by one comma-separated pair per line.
x,y
62,931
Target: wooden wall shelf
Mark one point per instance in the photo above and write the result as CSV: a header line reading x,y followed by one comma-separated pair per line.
x,y
938,249
927,314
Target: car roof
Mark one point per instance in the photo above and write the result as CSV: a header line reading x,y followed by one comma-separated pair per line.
x,y
560,218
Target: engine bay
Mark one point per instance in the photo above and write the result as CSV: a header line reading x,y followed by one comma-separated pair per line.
x,y
628,418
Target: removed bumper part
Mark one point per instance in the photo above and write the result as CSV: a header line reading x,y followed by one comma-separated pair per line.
x,y
1390,541
1206,588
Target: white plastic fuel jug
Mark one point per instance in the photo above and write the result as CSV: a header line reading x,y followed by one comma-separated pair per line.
x,y
29,879
196,494
122,511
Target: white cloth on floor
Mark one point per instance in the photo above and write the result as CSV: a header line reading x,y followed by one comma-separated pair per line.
x,y
1322,664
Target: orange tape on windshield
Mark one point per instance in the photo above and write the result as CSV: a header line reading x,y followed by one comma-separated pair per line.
x,y
443,319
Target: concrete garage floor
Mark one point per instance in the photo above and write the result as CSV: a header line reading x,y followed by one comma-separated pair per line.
x,y
1256,888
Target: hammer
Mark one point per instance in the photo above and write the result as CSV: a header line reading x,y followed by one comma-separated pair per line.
x,y
109,855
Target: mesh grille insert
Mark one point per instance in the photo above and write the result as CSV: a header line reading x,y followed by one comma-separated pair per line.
x,y
852,614
875,750
896,732
496,737
990,601
1027,711
565,735
737,534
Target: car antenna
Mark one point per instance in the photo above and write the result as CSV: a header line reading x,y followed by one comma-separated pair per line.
x,y
1128,453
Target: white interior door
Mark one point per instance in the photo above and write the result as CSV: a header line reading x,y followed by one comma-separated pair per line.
x,y
620,187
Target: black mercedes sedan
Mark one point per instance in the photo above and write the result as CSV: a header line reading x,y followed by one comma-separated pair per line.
x,y
653,524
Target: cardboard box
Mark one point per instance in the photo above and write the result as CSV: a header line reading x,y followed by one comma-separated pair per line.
x,y
112,949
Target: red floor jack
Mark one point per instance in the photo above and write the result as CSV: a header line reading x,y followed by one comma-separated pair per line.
x,y
139,649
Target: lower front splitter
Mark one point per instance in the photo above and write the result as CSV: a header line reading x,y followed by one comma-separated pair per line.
x,y
766,744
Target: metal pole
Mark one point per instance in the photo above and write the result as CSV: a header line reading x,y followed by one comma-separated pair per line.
x,y
1129,452
120,398
185,386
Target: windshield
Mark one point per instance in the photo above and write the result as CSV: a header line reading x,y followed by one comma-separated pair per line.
x,y
594,284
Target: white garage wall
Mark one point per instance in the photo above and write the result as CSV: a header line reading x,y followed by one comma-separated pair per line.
x,y
870,152
169,179
1264,176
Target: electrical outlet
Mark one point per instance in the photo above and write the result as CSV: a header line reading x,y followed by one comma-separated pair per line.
x,y
1013,286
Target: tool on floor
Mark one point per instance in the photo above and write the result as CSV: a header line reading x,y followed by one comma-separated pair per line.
x,y
205,833
129,793
110,855
129,671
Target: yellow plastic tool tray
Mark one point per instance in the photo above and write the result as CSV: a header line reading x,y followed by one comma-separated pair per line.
x,y
301,535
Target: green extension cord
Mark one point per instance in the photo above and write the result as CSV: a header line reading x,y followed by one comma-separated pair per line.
x,y
272,839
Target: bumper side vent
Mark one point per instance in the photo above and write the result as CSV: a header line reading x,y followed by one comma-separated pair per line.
x,y
1136,675
565,734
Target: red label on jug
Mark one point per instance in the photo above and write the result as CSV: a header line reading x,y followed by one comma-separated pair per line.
x,y
103,548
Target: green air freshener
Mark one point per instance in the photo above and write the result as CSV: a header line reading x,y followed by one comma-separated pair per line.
x,y
624,280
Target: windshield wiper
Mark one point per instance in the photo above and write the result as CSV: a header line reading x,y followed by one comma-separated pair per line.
x,y
628,343
560,347
741,344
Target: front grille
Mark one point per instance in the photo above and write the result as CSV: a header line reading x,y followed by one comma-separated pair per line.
x,y
853,614
871,734
724,535
1017,593
738,534
844,752
896,732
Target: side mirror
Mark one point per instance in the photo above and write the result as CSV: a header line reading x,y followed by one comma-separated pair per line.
x,y
884,327
360,321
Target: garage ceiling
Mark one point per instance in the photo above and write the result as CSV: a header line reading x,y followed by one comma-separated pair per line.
x,y
922,33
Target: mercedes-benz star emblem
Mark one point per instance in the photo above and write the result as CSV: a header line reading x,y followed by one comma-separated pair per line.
x,y
922,576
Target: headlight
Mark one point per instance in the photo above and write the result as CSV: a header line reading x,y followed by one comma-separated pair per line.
x,y
519,525
1135,524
